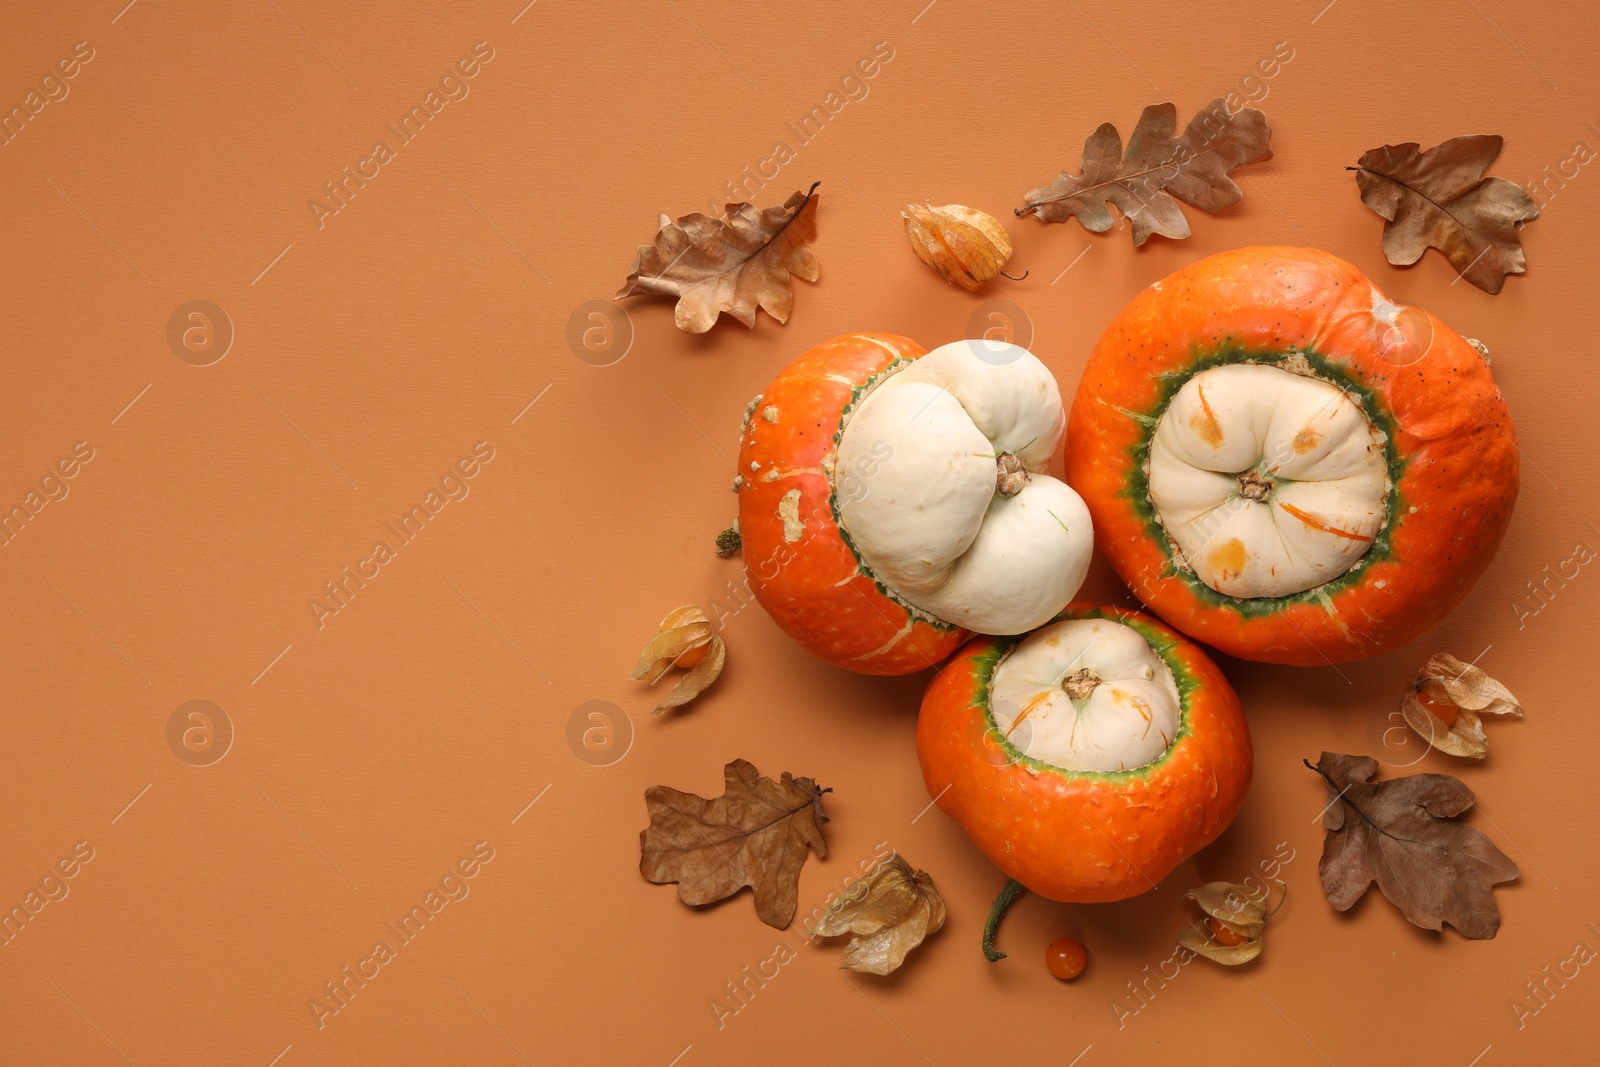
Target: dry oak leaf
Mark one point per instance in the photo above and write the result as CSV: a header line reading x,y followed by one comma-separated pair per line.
x,y
890,911
1445,704
737,263
1240,914
1399,834
756,834
684,639
1160,164
1441,198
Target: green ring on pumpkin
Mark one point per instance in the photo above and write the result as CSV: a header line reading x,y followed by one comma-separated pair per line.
x,y
1333,373
1163,646
857,394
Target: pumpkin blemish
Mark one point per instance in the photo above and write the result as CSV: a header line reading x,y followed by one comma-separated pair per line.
x,y
1318,524
1205,424
1228,557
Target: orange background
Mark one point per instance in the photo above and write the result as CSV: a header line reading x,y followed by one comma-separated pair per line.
x,y
371,354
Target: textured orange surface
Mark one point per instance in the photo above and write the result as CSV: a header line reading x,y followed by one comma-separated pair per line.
x,y
799,567
1453,434
1086,838
386,344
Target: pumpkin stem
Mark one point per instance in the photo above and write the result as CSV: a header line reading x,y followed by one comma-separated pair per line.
x,y
1281,900
1010,474
1008,895
729,541
1080,683
1252,486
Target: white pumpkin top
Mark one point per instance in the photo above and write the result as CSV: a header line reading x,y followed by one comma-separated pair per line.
x,y
1270,482
959,518
1086,695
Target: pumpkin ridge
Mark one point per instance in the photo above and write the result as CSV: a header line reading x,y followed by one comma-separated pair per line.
x,y
1449,455
797,565
859,393
1182,677
1086,836
1320,367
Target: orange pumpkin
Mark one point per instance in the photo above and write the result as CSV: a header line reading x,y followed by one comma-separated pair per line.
x,y
1286,465
1089,758
891,499
800,568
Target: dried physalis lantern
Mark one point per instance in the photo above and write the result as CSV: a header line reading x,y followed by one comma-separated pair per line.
x,y
1236,919
684,639
890,912
1447,702
965,246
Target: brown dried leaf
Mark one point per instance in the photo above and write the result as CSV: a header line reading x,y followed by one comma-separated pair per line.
x,y
736,264
1440,198
1399,834
699,678
1159,165
890,912
965,246
757,834
1446,685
